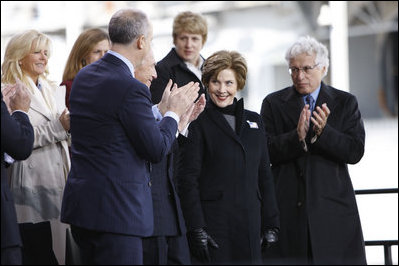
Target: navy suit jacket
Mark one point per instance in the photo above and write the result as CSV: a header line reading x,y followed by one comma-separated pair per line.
x,y
168,216
16,141
114,137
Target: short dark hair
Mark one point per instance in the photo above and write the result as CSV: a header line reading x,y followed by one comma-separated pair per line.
x,y
222,60
126,25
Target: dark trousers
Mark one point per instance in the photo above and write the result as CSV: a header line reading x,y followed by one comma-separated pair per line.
x,y
103,248
37,244
165,250
11,256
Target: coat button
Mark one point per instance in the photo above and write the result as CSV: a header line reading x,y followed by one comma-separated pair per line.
x,y
299,204
149,184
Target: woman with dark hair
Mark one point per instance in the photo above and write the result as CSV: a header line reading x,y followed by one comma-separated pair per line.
x,y
224,179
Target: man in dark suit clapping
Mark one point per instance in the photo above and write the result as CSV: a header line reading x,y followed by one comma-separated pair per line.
x,y
168,243
115,137
315,131
17,142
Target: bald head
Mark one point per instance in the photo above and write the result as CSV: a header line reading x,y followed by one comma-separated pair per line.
x,y
126,25
146,72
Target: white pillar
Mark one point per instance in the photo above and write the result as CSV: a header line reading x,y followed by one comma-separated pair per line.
x,y
339,63
74,25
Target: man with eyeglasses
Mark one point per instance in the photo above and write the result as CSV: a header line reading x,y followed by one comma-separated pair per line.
x,y
314,131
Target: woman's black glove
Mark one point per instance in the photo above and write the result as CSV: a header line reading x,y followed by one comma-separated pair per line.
x,y
198,239
269,237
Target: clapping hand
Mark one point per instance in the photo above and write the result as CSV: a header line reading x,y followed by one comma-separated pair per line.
x,y
194,111
16,97
319,118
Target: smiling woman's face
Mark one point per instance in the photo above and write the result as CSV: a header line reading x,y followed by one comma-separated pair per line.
x,y
35,63
97,52
223,88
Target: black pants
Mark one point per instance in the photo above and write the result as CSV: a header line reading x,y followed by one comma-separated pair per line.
x,y
37,244
166,250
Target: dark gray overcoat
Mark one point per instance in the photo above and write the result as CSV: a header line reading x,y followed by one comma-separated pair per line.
x,y
314,190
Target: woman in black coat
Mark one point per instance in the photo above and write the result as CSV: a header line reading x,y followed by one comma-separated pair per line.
x,y
225,182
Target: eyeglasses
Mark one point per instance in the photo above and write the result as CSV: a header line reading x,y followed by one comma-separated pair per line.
x,y
306,69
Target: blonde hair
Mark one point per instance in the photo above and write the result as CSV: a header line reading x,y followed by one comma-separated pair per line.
x,y
191,23
18,48
81,49
222,60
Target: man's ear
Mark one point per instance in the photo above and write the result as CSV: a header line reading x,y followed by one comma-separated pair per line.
x,y
141,42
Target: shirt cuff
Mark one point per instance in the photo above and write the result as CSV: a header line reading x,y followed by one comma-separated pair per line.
x,y
8,158
184,132
173,115
157,114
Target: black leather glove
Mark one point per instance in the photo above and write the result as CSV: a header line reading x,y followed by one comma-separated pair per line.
x,y
198,240
269,237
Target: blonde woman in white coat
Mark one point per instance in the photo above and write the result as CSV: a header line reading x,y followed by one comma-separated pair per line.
x,y
38,182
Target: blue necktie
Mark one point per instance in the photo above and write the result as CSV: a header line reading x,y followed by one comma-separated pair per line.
x,y
309,100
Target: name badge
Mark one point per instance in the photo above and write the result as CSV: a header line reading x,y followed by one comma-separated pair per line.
x,y
252,124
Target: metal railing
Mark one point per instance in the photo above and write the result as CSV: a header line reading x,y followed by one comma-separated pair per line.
x,y
387,244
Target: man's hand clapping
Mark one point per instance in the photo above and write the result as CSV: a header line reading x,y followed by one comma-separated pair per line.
x,y
16,97
192,113
178,100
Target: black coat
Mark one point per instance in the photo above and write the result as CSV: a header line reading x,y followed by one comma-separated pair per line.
x,y
314,189
16,141
226,184
171,67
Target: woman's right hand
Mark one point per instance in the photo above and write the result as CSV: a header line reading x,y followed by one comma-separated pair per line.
x,y
65,120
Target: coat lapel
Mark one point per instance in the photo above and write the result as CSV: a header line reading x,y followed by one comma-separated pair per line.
x,y
37,103
294,104
326,96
